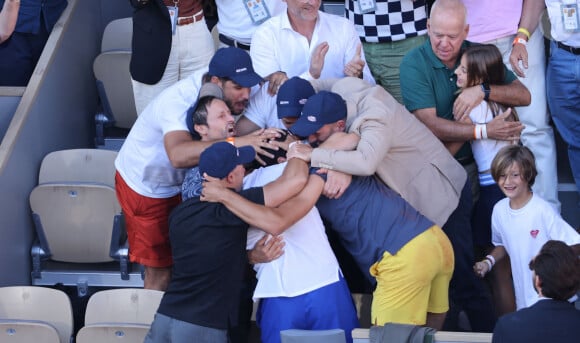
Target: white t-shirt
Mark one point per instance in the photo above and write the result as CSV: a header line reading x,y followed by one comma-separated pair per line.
x,y
522,233
262,109
236,23
277,47
142,161
308,262
558,30
484,150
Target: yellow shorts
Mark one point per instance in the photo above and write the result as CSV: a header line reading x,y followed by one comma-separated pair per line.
x,y
414,281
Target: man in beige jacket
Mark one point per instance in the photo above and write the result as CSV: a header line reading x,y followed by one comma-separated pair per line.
x,y
405,155
394,144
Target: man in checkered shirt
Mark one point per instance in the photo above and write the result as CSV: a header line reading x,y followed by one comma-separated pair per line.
x,y
388,30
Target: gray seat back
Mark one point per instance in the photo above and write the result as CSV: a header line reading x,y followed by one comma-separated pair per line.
x,y
111,70
31,303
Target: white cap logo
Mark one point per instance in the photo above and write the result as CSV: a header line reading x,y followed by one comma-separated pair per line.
x,y
311,119
284,102
239,70
302,101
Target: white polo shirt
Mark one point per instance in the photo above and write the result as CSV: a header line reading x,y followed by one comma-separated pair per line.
x,y
262,109
142,161
308,262
277,47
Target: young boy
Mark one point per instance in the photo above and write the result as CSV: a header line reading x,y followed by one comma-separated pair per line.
x,y
522,222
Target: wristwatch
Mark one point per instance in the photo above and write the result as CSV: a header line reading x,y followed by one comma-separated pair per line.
x,y
486,90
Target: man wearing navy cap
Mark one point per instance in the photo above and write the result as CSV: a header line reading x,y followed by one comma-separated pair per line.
x,y
208,244
280,111
409,159
408,257
153,159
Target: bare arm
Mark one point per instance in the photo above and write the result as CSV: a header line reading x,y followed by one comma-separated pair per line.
x,y
481,268
510,95
531,12
288,184
245,126
459,131
184,152
271,220
8,18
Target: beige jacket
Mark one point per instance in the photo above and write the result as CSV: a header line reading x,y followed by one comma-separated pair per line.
x,y
396,146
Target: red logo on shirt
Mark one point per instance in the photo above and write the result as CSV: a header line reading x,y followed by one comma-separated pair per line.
x,y
534,233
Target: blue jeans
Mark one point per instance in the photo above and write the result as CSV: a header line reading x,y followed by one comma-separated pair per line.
x,y
563,79
466,290
165,329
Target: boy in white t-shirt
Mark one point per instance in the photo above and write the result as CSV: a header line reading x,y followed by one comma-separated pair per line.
x,y
522,222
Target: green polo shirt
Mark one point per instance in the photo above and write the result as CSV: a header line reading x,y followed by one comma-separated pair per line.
x,y
426,82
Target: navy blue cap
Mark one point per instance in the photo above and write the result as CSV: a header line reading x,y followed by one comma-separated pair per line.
x,y
320,109
292,96
219,159
235,64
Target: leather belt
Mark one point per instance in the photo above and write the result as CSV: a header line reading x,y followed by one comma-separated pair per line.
x,y
191,19
575,51
232,42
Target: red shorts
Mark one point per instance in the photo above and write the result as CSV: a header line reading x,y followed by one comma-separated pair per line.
x,y
147,223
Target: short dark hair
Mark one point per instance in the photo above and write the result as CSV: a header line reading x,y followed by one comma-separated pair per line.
x,y
200,111
558,268
511,154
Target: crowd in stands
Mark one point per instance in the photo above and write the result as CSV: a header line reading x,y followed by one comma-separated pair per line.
x,y
417,132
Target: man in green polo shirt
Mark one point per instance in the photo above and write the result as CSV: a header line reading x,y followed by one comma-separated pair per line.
x,y
428,86
428,83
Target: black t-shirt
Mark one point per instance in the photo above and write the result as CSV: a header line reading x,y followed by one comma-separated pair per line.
x,y
208,243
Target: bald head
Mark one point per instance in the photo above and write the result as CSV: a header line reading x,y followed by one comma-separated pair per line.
x,y
449,8
447,29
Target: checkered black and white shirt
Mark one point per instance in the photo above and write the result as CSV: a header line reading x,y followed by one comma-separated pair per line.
x,y
393,20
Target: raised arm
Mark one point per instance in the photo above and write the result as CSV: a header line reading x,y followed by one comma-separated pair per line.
x,y
271,220
184,152
531,13
374,143
291,182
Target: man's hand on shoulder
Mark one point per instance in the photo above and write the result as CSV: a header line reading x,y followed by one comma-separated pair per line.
x,y
275,80
267,249
213,190
336,184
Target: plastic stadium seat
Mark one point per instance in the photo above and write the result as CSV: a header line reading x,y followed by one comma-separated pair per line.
x,y
119,315
111,69
78,218
23,331
29,312
313,336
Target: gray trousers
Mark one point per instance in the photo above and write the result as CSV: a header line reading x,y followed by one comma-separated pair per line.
x,y
169,330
